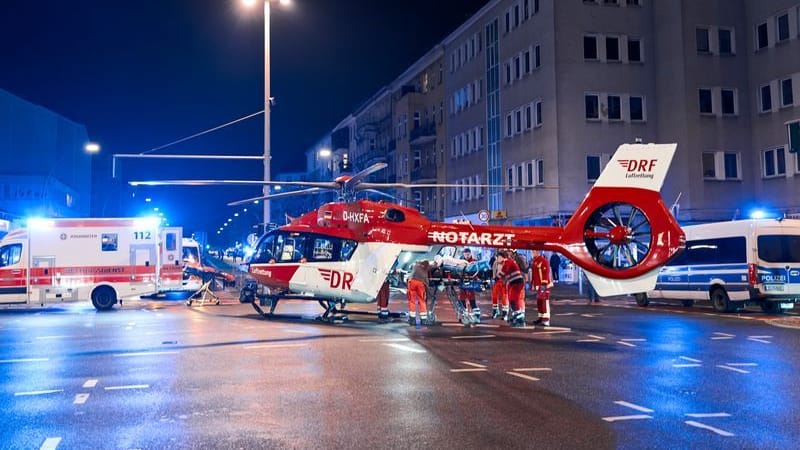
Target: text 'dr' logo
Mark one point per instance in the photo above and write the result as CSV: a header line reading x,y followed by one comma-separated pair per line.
x,y
337,279
638,165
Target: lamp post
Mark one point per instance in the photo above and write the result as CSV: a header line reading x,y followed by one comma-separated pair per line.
x,y
267,102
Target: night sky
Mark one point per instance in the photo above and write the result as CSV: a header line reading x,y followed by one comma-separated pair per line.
x,y
145,73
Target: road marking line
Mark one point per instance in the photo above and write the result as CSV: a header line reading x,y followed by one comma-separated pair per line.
x,y
49,391
634,417
596,337
486,325
526,377
732,368
759,337
290,330
4,361
699,415
741,364
632,406
50,443
406,348
53,337
533,369
118,355
722,337
468,370
80,399
552,332
385,340
588,340
723,334
130,386
626,343
565,314
690,359
452,324
90,384
257,346
473,364
590,315
482,336
759,340
633,340
680,366
709,428
558,328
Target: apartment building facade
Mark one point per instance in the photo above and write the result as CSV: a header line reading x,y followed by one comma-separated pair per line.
x,y
537,95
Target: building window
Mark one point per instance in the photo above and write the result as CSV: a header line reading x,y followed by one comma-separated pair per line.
x,y
519,176
527,61
517,68
529,173
518,120
787,97
516,16
614,108
611,2
526,9
728,101
636,109
633,3
508,72
774,162
508,21
528,117
721,166
634,50
612,48
538,114
510,184
537,61
592,168
766,98
762,37
590,47
701,38
509,128
782,25
540,172
592,110
725,41
705,101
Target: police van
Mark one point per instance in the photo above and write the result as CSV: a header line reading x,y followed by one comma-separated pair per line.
x,y
733,264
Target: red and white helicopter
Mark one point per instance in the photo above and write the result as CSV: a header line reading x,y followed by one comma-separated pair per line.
x,y
343,252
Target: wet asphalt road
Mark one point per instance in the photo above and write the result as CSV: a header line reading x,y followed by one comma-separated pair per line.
x,y
159,374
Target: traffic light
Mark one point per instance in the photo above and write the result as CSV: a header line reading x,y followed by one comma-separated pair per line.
x,y
794,137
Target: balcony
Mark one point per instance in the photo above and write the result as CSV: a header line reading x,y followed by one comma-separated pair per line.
x,y
423,173
423,134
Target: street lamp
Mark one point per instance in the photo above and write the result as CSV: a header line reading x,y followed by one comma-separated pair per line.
x,y
92,148
267,100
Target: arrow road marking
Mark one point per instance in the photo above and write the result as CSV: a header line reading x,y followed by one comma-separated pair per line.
x,y
709,428
732,368
632,406
634,417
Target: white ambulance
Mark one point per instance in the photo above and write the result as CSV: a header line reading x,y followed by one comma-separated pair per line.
x,y
105,260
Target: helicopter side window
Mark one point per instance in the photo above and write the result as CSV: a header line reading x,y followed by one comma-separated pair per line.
x,y
293,249
263,253
323,249
394,215
348,247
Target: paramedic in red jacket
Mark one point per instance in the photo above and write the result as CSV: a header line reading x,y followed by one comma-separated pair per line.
x,y
465,295
515,286
542,283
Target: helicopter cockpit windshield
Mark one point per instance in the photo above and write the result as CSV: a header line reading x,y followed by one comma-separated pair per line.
x,y
293,247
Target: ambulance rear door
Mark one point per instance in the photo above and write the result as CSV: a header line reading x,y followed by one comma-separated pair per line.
x,y
171,257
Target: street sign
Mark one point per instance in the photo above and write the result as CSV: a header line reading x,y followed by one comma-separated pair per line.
x,y
483,215
499,214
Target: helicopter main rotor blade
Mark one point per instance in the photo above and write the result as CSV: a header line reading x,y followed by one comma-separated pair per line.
x,y
318,184
393,197
363,186
360,176
246,201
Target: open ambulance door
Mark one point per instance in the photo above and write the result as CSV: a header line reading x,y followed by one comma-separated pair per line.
x,y
171,257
